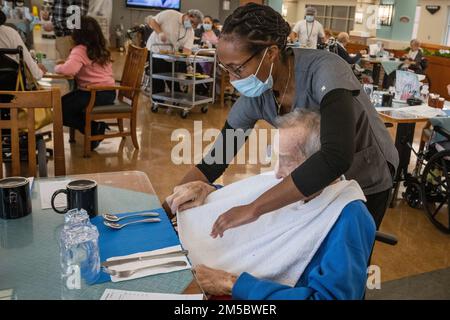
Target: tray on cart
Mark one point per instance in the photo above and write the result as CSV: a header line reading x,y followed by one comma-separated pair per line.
x,y
183,58
182,98
183,78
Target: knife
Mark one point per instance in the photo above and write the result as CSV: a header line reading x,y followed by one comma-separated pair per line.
x,y
107,264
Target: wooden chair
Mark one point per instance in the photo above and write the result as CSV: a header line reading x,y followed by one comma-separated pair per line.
x,y
124,108
30,100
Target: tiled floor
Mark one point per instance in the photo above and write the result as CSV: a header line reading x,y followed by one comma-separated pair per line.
x,y
422,248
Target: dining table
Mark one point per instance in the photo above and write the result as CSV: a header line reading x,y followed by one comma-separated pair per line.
x,y
30,265
52,79
388,64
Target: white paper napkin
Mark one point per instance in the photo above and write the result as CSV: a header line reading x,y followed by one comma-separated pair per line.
x,y
47,189
148,263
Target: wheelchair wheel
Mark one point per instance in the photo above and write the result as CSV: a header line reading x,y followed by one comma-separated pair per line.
x,y
435,190
412,195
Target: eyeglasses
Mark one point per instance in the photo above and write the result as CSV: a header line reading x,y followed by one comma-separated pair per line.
x,y
236,72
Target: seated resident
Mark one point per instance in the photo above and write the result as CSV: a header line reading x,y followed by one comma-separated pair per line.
x,y
342,40
207,34
414,57
10,39
317,249
91,65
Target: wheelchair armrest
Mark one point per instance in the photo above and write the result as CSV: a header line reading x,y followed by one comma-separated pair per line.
x,y
386,238
442,131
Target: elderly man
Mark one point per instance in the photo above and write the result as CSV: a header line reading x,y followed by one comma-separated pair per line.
x,y
10,39
176,30
308,31
415,57
342,40
317,249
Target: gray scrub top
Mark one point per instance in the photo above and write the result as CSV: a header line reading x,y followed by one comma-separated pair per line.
x,y
317,73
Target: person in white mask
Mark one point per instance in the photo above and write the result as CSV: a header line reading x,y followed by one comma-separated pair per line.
x,y
308,31
274,80
176,31
174,28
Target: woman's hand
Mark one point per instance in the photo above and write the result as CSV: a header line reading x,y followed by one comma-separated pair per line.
x,y
189,195
215,282
233,218
43,68
281,195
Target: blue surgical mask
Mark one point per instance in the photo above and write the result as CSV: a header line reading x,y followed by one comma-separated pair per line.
x,y
309,18
251,86
207,26
187,24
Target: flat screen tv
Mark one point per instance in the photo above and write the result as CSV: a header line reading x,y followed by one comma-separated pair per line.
x,y
154,4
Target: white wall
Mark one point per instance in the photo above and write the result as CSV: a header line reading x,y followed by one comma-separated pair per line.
x,y
292,8
432,28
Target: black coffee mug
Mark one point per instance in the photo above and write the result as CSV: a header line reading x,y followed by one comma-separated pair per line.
x,y
81,194
15,198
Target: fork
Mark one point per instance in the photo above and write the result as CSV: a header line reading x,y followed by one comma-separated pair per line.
x,y
129,273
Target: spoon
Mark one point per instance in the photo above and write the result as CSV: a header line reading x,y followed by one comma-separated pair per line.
x,y
117,226
114,218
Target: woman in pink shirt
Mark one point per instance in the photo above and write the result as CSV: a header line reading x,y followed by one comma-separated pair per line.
x,y
91,65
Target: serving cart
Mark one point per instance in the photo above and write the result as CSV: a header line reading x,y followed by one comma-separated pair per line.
x,y
186,99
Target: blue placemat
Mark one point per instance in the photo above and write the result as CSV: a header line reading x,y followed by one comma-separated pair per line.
x,y
134,239
29,250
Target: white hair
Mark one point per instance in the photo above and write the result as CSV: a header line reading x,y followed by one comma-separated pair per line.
x,y
309,121
196,14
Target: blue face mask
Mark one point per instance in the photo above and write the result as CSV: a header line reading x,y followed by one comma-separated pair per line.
x,y
253,87
207,26
187,24
309,18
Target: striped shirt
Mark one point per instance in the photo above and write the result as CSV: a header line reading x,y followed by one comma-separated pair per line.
x,y
62,13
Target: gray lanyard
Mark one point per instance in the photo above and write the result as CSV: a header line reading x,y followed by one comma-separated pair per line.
x,y
312,29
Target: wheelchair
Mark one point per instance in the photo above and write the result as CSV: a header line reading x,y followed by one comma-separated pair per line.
x,y
9,72
428,187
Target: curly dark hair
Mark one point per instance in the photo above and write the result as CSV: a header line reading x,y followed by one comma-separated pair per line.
x,y
91,35
2,18
259,25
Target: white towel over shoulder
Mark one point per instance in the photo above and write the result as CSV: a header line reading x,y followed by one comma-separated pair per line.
x,y
279,245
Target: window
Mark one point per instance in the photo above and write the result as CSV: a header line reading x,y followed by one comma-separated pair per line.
x,y
385,14
336,18
416,22
447,42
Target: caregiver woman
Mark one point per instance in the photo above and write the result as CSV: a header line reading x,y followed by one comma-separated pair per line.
x,y
274,81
